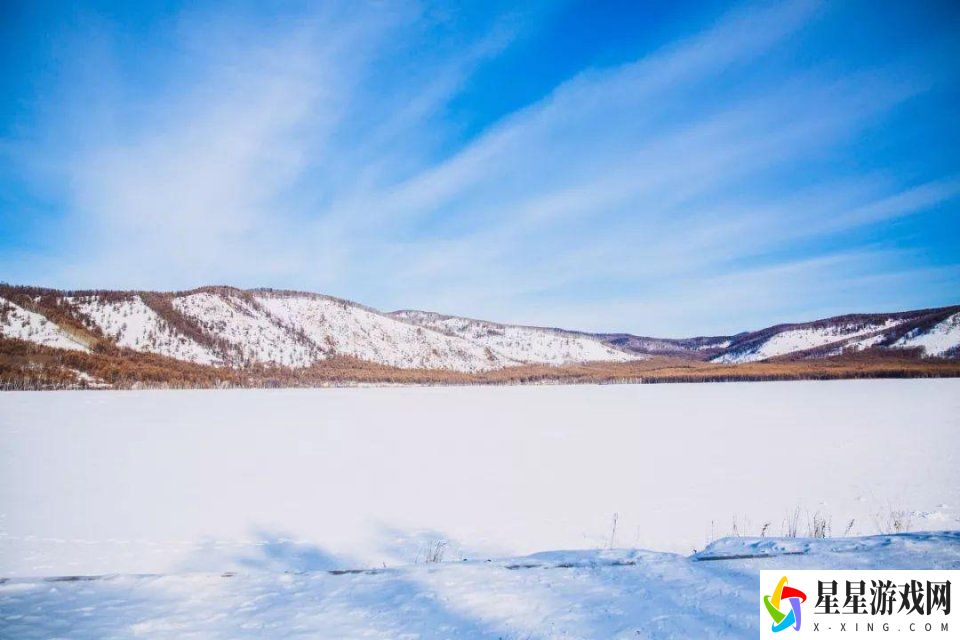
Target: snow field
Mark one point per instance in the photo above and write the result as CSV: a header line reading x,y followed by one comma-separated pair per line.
x,y
550,596
161,481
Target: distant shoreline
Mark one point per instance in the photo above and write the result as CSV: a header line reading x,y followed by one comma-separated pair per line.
x,y
71,370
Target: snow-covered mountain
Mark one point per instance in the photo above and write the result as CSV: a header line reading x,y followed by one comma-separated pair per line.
x,y
925,333
346,328
233,327
236,328
930,333
519,343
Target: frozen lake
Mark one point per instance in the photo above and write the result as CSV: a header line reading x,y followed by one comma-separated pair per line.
x,y
158,481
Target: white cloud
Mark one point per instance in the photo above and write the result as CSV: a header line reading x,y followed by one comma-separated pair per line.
x,y
303,152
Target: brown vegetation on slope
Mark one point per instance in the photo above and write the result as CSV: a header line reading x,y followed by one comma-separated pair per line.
x,y
24,365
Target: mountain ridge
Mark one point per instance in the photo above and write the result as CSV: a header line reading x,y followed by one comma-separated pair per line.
x,y
259,329
712,346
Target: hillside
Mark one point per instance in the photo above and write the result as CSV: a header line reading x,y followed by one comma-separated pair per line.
x,y
237,328
927,333
522,344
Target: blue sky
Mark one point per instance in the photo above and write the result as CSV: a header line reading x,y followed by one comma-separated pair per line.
x,y
662,168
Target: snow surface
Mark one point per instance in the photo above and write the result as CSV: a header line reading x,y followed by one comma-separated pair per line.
x,y
532,345
17,322
349,329
253,331
793,340
558,595
134,325
940,339
170,481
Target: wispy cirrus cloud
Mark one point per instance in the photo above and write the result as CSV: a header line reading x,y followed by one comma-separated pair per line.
x,y
724,179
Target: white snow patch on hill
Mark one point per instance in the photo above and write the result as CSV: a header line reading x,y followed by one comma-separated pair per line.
x,y
940,339
723,344
134,325
793,340
351,330
532,345
91,382
22,324
257,335
864,343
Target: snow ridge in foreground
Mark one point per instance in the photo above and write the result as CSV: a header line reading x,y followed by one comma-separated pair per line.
x,y
562,594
